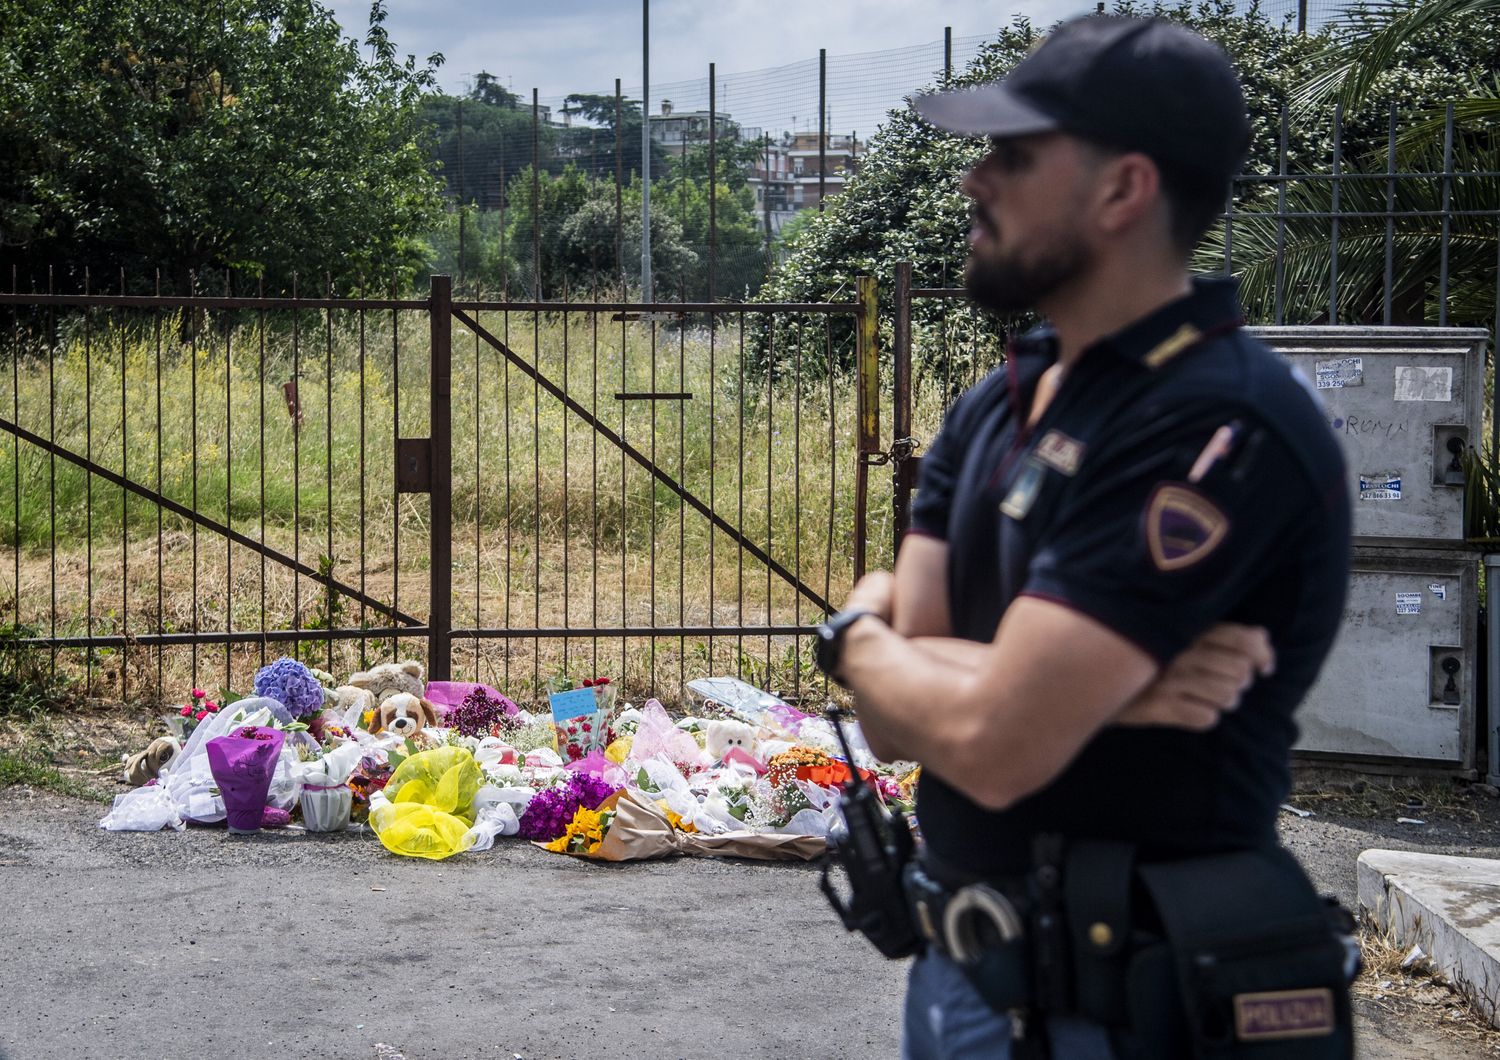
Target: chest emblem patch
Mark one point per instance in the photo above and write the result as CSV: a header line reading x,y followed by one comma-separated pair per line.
x,y
1183,527
1060,452
1023,491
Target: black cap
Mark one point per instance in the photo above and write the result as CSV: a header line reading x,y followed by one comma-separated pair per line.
x,y
1135,84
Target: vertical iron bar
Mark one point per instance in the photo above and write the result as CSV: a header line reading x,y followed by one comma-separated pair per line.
x,y
15,442
822,126
1281,173
868,360
594,483
440,607
739,654
88,486
712,386
567,525
536,396
509,536
797,506
770,488
228,491
947,54
1229,232
833,464
160,580
1390,221
624,507
1447,216
52,457
647,287
536,228
901,411
193,407
478,503
1301,18
462,213
1495,357
1333,257
395,446
651,500
363,565
682,508
328,596
261,313
713,189
297,469
619,201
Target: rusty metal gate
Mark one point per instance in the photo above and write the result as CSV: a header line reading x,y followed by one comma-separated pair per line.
x,y
148,465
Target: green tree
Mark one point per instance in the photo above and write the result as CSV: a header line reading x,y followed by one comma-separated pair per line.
x,y
904,203
592,145
249,134
1420,57
483,139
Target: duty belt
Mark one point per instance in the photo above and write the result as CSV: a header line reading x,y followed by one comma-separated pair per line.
x,y
980,926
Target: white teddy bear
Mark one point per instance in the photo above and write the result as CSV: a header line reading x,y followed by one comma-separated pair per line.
x,y
721,736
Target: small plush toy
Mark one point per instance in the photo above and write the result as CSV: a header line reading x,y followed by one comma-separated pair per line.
x,y
404,714
389,678
722,736
148,764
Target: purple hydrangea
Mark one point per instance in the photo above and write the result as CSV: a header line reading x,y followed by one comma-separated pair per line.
x,y
548,814
292,685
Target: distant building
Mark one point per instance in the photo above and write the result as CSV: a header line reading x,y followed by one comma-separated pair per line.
x,y
785,177
676,130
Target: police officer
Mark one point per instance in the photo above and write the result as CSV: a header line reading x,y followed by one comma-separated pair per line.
x,y
1139,470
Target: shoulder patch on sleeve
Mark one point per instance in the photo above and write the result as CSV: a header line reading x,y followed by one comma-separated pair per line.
x,y
1183,527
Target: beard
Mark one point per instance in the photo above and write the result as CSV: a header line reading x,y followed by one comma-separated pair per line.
x,y
1010,284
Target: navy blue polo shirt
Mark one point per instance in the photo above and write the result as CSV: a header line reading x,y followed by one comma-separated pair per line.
x,y
1181,476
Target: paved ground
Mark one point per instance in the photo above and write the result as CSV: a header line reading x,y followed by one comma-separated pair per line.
x,y
282,946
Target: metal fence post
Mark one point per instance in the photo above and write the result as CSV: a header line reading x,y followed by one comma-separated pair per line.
x,y
901,478
440,604
867,356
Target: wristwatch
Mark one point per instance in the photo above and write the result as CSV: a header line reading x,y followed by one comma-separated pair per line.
x,y
830,644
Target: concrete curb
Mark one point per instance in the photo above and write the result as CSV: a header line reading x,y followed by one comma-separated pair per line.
x,y
1450,906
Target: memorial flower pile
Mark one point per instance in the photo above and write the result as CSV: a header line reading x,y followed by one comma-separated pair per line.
x,y
744,774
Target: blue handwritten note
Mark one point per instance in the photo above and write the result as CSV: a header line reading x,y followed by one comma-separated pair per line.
x,y
574,704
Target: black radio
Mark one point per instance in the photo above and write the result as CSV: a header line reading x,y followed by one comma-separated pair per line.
x,y
873,846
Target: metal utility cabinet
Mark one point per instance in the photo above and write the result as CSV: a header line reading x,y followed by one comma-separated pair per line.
x,y
1399,689
1405,402
1401,683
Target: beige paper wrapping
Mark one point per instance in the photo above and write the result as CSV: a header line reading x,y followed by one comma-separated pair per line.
x,y
762,846
641,832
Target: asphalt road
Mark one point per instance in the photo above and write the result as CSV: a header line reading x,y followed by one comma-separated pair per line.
x,y
286,945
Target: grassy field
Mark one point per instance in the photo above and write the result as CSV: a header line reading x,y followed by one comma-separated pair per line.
x,y
553,525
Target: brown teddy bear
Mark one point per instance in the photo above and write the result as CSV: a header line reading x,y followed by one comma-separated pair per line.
x,y
148,764
400,702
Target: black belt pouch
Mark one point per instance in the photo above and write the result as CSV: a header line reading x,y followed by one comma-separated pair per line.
x,y
1257,966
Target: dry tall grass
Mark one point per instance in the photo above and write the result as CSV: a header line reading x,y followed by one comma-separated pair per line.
x,y
553,526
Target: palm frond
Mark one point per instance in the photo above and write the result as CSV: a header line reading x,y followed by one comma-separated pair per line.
x,y
1348,68
1411,224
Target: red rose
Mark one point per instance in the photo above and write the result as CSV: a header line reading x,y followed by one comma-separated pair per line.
x,y
187,712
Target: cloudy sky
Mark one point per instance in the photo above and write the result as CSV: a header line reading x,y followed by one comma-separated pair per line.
x,y
561,46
